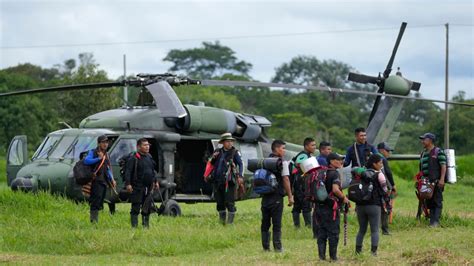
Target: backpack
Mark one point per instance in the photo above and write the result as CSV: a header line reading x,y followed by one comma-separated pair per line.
x,y
122,162
315,186
361,187
264,182
83,173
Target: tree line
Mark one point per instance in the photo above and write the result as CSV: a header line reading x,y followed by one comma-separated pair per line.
x,y
294,114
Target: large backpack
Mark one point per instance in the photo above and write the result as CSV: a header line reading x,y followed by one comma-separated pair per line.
x,y
362,186
315,186
122,162
83,173
264,182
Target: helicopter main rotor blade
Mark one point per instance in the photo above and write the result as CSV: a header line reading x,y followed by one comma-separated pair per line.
x,y
388,69
64,88
166,100
360,78
234,83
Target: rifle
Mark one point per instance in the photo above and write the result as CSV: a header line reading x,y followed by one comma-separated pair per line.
x,y
346,211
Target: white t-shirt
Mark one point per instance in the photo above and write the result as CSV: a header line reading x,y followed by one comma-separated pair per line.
x,y
285,171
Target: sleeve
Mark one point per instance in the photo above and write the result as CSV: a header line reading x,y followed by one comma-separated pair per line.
x,y
347,159
90,160
382,182
129,170
110,174
373,150
238,161
335,178
388,172
285,171
442,157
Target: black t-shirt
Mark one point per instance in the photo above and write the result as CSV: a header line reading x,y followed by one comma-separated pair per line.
x,y
145,170
332,177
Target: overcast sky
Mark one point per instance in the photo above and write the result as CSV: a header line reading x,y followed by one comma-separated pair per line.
x,y
360,34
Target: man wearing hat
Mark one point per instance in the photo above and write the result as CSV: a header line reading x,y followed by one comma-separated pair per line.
x,y
328,217
226,175
384,151
433,166
99,159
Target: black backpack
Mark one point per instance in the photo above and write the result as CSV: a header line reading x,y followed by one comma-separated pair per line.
x,y
122,162
83,173
363,184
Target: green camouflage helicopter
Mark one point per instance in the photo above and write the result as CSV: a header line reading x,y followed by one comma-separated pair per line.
x,y
182,137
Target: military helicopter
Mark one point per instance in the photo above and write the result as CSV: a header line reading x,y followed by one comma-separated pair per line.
x,y
182,137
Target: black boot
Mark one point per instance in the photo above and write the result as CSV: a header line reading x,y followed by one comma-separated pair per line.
x,y
322,251
277,242
384,221
134,220
435,214
333,251
307,219
296,219
374,250
94,216
222,216
358,250
146,221
230,218
266,241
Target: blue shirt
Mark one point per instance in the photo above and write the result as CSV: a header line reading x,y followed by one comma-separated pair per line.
x,y
361,151
92,160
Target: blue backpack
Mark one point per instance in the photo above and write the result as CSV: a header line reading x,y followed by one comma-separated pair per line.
x,y
264,182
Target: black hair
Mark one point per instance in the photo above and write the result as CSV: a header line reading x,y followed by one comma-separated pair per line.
x,y
374,158
323,144
277,143
358,130
308,141
141,141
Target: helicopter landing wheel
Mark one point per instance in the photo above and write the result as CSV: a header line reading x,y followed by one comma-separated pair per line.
x,y
172,208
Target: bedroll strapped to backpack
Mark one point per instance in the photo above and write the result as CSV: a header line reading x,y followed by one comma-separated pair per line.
x,y
264,182
362,185
315,188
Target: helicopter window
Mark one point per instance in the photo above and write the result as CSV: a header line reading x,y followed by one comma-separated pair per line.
x,y
15,157
81,144
123,147
248,151
61,148
45,147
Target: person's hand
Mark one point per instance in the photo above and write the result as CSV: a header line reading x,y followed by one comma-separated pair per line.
x,y
441,184
114,184
129,188
206,179
240,181
345,200
157,185
100,154
291,201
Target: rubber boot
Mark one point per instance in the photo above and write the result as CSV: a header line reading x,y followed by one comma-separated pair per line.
x,y
358,250
296,219
277,242
146,221
222,216
333,251
134,220
94,216
307,219
230,218
322,251
111,208
374,250
435,214
266,241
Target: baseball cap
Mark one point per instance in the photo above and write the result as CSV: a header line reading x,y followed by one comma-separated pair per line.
x,y
428,136
102,138
385,146
334,156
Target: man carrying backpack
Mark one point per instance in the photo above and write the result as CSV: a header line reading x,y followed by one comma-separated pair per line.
x,y
226,176
272,204
384,151
358,153
301,205
327,212
140,181
433,166
99,159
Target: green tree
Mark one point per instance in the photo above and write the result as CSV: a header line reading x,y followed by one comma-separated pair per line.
x,y
211,60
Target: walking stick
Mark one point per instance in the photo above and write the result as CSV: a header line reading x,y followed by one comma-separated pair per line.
x,y
346,211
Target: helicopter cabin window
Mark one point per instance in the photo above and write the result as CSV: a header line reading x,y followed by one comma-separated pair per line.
x,y
15,157
80,145
123,147
62,146
190,161
248,151
45,147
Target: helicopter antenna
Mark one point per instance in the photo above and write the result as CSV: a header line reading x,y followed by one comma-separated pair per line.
x,y
65,124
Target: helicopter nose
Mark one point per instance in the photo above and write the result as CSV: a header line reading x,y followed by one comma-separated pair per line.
x,y
24,184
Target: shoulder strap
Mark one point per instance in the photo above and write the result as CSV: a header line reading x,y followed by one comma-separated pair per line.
x,y
100,166
357,154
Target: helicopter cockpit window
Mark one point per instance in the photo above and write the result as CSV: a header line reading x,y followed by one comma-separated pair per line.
x,y
61,148
123,147
45,147
81,144
15,157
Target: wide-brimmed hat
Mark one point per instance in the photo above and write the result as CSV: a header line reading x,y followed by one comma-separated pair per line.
x,y
226,136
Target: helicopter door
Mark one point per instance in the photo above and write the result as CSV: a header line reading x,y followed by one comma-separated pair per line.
x,y
17,156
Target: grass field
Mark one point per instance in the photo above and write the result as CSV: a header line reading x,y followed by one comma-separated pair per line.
x,y
44,229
